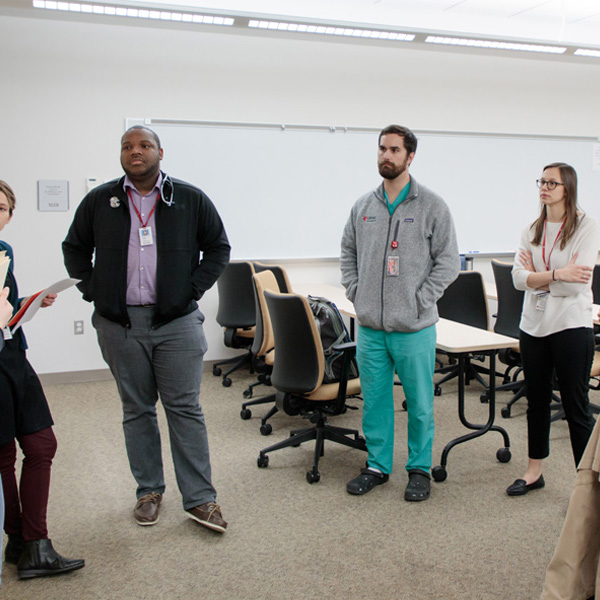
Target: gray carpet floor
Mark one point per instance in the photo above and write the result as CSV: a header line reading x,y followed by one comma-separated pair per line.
x,y
289,539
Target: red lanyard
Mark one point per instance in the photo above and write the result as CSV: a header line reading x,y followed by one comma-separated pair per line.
x,y
137,212
547,263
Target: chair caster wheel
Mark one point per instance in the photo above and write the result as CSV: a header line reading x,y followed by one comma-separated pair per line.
x,y
439,473
245,414
313,477
484,398
262,461
266,429
226,382
503,455
505,412
404,405
437,391
247,393
216,371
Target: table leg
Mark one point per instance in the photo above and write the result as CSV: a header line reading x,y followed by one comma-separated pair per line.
x,y
503,455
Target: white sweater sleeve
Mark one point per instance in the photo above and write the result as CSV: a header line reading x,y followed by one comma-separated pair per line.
x,y
584,244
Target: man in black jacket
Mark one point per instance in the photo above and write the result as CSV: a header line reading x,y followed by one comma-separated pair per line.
x,y
157,245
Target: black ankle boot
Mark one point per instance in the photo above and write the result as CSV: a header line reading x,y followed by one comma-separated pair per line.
x,y
14,549
39,558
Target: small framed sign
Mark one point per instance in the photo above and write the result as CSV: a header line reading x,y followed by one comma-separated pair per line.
x,y
53,195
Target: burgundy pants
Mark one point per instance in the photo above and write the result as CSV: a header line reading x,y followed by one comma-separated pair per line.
x,y
26,506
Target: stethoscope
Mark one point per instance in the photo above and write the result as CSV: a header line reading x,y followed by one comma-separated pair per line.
x,y
167,197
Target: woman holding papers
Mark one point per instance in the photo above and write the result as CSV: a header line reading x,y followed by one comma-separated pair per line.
x,y
554,267
25,417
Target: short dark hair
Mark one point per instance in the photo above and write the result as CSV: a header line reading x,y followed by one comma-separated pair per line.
x,y
154,134
410,139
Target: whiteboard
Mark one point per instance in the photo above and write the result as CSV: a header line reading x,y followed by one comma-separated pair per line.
x,y
286,191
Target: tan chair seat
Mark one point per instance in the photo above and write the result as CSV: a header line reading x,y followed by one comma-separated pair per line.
x,y
246,333
329,391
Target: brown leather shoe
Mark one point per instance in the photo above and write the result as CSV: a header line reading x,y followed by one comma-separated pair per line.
x,y
209,515
146,509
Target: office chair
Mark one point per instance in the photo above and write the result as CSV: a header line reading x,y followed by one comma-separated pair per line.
x,y
298,377
237,315
282,285
263,348
464,301
508,317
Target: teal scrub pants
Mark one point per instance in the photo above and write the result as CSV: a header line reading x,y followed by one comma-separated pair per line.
x,y
412,356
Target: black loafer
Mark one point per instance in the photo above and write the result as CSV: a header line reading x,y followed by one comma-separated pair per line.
x,y
520,486
419,486
365,482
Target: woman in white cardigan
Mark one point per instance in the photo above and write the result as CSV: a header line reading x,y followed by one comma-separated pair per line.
x,y
554,266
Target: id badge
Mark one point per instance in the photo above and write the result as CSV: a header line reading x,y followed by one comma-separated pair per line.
x,y
541,300
6,333
393,266
146,236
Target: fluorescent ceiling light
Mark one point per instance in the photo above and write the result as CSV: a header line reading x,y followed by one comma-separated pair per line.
x,y
332,30
587,52
120,11
494,45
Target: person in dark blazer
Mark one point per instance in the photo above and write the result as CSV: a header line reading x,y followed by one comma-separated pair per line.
x,y
25,418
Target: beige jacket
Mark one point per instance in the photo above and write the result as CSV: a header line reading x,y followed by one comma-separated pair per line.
x,y
574,573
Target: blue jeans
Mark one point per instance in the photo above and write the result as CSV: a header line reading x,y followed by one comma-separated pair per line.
x,y
412,356
167,362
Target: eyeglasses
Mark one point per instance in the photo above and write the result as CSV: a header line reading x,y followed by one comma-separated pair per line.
x,y
551,185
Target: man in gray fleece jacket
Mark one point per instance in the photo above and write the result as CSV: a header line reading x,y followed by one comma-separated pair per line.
x,y
399,253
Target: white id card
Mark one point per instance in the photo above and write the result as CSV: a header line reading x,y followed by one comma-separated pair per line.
x,y
146,236
393,266
6,333
541,300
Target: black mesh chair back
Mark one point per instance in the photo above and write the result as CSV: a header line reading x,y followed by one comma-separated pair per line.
x,y
465,301
510,300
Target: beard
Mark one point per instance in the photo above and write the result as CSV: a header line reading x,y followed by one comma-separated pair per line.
x,y
390,171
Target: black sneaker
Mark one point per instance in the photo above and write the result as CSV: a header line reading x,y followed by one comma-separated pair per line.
x,y
365,482
419,486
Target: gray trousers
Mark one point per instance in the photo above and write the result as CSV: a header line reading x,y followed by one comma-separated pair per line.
x,y
167,362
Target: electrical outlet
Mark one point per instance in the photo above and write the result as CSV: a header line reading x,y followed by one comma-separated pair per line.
x,y
78,327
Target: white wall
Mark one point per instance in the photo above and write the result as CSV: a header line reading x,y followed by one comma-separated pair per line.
x,y
67,88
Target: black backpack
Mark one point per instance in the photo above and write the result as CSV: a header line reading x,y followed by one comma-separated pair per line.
x,y
333,331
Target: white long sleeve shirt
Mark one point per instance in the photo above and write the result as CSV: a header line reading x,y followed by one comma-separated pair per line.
x,y
569,305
